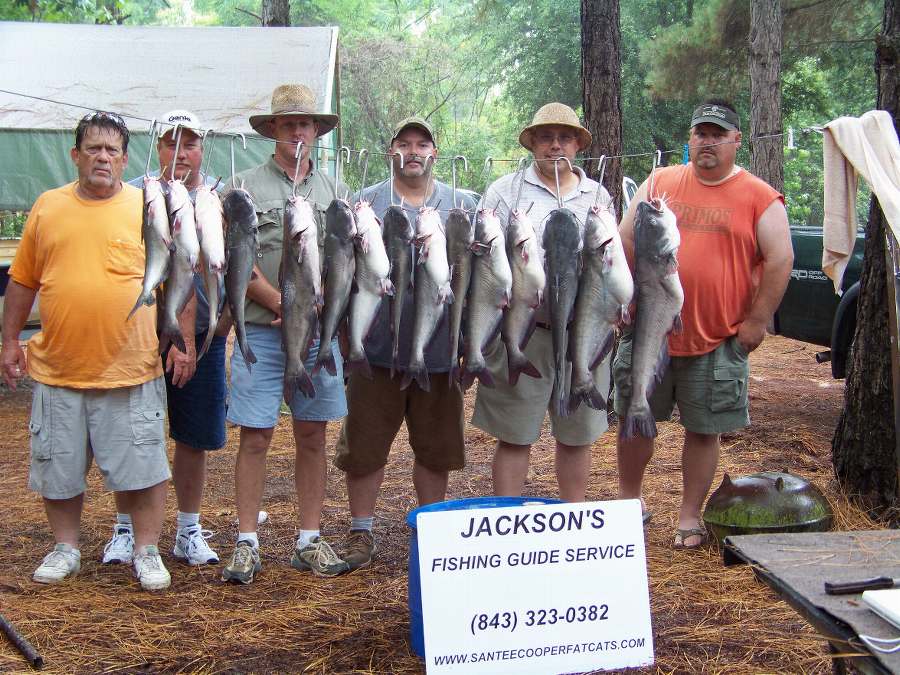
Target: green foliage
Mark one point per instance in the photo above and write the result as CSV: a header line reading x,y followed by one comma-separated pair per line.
x,y
12,223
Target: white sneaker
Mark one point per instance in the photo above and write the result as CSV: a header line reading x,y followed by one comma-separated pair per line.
x,y
191,546
119,550
150,571
63,561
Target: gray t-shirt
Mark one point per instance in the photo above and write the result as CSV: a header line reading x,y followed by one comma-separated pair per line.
x,y
202,320
379,345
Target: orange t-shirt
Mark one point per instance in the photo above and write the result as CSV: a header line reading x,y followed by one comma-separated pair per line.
x,y
86,259
718,259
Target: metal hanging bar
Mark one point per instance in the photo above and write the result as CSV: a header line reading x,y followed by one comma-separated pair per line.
x,y
556,162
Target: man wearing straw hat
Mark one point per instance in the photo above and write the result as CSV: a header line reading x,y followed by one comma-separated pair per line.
x,y
195,390
514,414
99,392
256,396
378,404
734,262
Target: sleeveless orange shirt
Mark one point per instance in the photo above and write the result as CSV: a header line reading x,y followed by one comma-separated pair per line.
x,y
718,260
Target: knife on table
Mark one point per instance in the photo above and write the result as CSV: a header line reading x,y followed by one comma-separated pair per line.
x,y
847,587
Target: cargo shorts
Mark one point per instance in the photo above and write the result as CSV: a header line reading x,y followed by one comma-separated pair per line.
x,y
710,390
121,429
377,408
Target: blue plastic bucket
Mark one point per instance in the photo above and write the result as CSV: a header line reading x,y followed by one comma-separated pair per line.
x,y
416,631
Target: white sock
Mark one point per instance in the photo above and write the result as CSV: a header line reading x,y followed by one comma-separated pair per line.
x,y
304,537
187,519
249,536
362,523
123,519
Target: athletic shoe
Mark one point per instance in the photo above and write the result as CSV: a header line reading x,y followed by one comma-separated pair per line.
x,y
191,546
319,557
150,571
63,561
361,548
244,565
120,549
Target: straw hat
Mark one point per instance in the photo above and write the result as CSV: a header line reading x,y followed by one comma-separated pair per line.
x,y
556,113
293,99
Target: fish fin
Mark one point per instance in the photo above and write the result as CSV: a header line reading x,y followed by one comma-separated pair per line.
x,y
325,359
624,315
604,350
677,325
466,378
532,324
301,381
142,300
641,423
659,370
589,395
560,400
387,287
445,295
249,356
171,335
253,275
359,365
210,334
519,365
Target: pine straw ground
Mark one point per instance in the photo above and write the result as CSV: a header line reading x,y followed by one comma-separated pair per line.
x,y
706,618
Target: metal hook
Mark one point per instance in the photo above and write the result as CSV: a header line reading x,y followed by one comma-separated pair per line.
x,y
153,134
520,169
556,176
339,165
207,151
234,137
453,172
177,132
365,167
600,180
298,155
657,159
488,167
392,155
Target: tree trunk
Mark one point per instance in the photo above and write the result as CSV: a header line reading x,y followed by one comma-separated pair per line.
x,y
766,154
601,67
276,13
864,445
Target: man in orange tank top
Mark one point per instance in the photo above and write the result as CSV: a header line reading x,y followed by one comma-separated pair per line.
x,y
734,263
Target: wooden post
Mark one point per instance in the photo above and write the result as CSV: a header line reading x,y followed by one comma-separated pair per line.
x,y
892,267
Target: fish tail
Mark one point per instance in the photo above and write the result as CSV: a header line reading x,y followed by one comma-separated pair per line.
x,y
358,364
520,365
171,334
143,299
210,334
325,359
560,399
419,374
246,352
639,422
300,380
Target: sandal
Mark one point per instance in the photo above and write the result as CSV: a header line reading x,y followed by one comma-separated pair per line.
x,y
681,535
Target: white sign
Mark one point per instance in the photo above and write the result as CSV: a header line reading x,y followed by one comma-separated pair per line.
x,y
555,588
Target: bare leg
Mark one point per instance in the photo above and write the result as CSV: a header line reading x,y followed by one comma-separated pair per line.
x,y
573,467
309,472
250,475
699,460
633,455
510,469
64,517
147,508
189,476
363,492
431,486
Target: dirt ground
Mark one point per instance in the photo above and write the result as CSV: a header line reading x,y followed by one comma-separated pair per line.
x,y
706,618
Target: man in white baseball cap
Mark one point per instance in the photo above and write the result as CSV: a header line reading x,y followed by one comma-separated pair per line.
x,y
195,390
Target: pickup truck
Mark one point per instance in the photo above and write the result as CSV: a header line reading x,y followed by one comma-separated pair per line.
x,y
811,311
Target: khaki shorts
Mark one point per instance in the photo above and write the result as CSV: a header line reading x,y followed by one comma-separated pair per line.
x,y
515,414
377,408
710,390
122,429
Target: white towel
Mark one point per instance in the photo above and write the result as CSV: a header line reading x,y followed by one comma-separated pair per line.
x,y
865,146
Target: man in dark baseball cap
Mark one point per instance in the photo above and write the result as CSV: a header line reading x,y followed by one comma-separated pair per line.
x,y
719,113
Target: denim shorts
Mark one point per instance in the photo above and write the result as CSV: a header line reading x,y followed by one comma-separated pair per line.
x,y
256,396
197,410
120,429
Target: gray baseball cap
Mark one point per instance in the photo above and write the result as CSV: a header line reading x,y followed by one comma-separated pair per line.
x,y
716,114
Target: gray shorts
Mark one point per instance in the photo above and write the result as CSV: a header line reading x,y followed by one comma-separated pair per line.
x,y
515,414
122,429
710,390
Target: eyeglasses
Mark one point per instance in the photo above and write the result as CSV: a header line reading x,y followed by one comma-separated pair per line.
x,y
547,137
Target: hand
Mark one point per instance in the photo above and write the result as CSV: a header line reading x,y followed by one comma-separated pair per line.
x,y
276,309
12,360
182,365
751,333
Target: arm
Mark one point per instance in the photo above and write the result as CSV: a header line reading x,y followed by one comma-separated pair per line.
x,y
16,307
182,365
773,235
263,293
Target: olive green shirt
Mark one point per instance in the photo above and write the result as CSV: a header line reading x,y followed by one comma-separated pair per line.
x,y
270,186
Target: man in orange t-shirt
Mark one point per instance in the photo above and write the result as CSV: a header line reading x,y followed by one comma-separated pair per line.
x,y
734,263
98,388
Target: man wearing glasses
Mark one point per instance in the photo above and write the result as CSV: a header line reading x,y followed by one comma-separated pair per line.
x,y
514,414
99,391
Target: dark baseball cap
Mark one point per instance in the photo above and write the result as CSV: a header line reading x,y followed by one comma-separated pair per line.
x,y
716,114
418,123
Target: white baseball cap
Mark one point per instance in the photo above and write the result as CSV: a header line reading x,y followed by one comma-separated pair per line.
x,y
185,118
